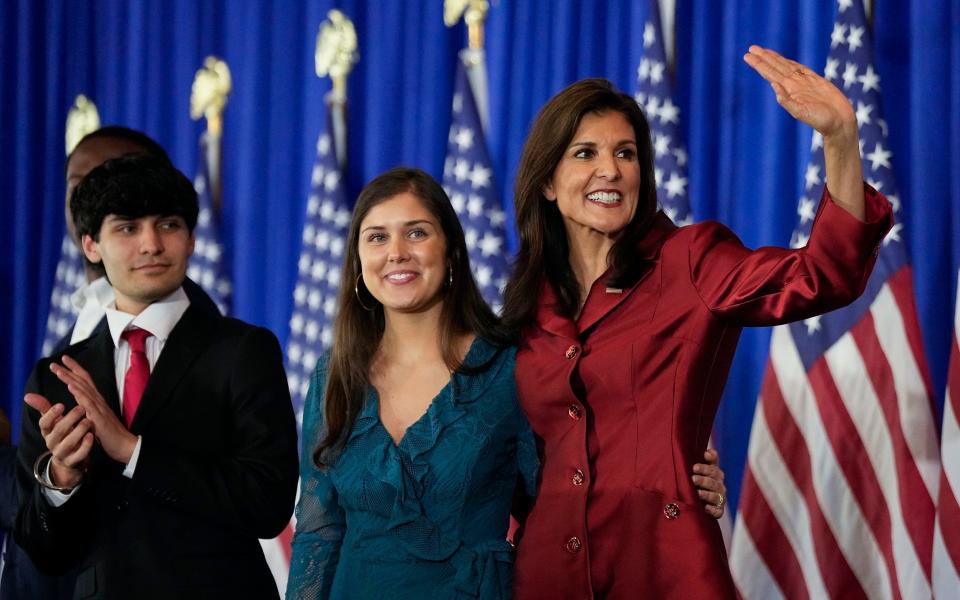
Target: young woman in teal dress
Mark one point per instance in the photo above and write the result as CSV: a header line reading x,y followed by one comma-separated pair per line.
x,y
414,446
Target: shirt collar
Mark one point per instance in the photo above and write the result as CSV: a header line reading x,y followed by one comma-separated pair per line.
x,y
98,292
159,318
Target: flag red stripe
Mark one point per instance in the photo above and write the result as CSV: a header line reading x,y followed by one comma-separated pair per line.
x,y
953,380
947,507
916,504
838,577
285,539
949,512
901,286
770,541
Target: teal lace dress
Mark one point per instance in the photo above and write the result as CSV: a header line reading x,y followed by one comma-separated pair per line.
x,y
425,518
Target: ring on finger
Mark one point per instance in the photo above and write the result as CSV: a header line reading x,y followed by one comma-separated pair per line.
x,y
720,500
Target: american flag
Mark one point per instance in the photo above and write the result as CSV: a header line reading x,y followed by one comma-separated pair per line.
x,y
843,466
468,180
946,543
314,297
208,264
655,97
318,279
70,277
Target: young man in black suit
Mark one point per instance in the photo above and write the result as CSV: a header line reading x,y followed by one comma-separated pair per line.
x,y
158,450
20,578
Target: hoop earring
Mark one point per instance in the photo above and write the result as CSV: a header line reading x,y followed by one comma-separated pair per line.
x,y
356,290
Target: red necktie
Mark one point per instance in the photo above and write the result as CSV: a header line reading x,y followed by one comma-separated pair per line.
x,y
135,381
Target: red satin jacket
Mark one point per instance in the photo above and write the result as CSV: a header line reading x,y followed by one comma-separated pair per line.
x,y
622,401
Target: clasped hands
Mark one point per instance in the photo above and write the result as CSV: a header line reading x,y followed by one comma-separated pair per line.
x,y
70,436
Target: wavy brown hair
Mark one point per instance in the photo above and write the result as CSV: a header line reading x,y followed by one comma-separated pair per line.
x,y
544,250
357,331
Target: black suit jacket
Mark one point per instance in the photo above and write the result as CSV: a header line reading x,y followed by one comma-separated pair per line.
x,y
217,470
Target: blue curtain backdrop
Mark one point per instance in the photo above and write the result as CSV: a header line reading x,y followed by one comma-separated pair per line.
x,y
137,59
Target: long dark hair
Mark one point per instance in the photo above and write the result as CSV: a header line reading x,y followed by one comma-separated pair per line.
x,y
544,250
357,331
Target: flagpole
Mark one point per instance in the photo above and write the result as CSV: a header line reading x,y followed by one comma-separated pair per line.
x,y
209,264
468,174
335,56
474,14
208,99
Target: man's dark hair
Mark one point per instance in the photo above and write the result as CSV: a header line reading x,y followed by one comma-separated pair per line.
x,y
132,186
118,132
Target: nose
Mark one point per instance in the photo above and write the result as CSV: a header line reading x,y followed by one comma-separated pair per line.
x,y
608,167
397,250
151,241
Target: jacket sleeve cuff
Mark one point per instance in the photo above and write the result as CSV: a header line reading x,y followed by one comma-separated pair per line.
x,y
846,239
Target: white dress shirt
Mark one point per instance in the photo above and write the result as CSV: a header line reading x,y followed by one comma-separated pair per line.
x,y
159,319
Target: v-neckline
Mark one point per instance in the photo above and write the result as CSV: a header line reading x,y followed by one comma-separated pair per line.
x,y
415,422
471,349
476,347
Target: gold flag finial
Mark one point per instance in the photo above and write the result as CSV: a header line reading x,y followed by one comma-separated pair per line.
x,y
336,51
208,97
474,12
82,119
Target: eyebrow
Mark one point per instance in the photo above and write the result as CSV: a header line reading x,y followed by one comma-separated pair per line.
x,y
406,224
115,217
594,144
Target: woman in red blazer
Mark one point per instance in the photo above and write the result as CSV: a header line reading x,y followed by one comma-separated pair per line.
x,y
629,324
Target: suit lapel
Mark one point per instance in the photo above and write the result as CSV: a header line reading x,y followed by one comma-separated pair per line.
x,y
547,317
602,300
189,337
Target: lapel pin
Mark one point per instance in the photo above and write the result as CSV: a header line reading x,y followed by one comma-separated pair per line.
x,y
613,290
